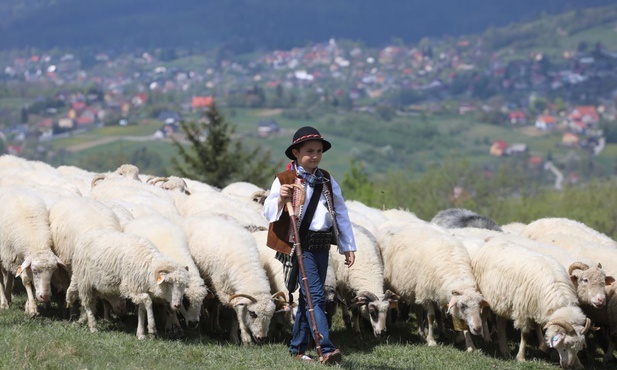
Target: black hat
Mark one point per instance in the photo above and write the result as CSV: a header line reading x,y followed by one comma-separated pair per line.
x,y
303,134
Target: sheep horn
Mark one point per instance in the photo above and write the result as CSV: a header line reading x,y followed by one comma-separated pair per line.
x,y
369,295
390,295
156,180
162,269
563,323
279,296
239,295
96,179
577,265
587,326
258,196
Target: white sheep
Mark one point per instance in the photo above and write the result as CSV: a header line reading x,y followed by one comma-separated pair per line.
x,y
171,241
25,246
109,263
530,288
246,192
71,218
362,285
139,198
583,242
208,203
227,258
426,266
565,226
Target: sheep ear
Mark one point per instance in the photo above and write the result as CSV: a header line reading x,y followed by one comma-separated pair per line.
x,y
161,278
452,304
574,279
609,280
186,267
23,266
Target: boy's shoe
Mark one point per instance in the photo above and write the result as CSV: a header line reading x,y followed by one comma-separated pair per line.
x,y
303,357
334,357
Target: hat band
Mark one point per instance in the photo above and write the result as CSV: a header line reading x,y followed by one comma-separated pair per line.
x,y
311,136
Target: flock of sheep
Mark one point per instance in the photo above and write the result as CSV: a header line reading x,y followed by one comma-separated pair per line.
x,y
190,250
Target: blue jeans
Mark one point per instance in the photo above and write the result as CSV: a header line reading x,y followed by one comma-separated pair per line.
x,y
315,266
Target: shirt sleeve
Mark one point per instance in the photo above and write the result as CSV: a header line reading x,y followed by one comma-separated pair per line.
x,y
346,241
270,208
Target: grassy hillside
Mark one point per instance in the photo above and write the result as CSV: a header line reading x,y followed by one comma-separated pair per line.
x,y
407,144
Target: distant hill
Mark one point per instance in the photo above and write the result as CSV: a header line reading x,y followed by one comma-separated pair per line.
x,y
246,25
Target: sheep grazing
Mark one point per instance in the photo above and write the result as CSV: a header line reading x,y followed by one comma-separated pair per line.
x,y
227,258
425,265
109,263
69,220
362,285
582,242
25,247
171,241
528,287
458,217
541,227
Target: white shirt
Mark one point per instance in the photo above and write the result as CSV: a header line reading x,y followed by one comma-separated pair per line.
x,y
322,220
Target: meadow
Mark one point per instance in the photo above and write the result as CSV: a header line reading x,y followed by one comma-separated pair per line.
x,y
48,342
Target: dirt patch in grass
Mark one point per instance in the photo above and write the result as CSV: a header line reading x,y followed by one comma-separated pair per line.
x,y
268,112
531,131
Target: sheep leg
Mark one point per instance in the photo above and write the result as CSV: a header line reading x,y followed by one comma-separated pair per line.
x,y
420,320
90,307
141,318
9,281
355,321
501,335
150,315
31,308
520,356
430,319
235,327
346,318
468,341
4,303
172,324
486,333
541,342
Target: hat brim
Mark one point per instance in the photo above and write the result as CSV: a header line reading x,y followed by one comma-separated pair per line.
x,y
290,155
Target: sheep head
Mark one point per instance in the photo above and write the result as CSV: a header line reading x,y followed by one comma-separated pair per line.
x,y
171,284
590,283
38,269
467,306
254,315
373,309
567,338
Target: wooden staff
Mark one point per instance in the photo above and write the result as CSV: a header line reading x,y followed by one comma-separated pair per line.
x,y
298,249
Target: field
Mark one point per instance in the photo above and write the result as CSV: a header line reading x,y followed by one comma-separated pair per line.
x,y
47,342
408,144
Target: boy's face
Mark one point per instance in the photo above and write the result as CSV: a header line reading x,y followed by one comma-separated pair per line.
x,y
308,155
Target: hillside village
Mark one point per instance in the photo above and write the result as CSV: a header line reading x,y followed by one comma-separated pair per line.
x,y
574,93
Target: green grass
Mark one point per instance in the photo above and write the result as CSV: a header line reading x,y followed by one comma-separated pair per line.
x,y
47,342
461,137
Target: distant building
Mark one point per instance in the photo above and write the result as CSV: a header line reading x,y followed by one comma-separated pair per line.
x,y
265,128
545,122
499,148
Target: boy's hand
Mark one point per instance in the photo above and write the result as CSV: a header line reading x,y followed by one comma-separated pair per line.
x,y
286,191
350,258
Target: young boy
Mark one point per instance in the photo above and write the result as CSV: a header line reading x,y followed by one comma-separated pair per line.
x,y
326,222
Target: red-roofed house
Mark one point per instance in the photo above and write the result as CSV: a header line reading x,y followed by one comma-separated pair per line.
x,y
202,102
545,122
586,114
570,139
498,148
517,117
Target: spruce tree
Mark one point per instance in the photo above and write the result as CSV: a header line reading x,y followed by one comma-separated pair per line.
x,y
212,157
